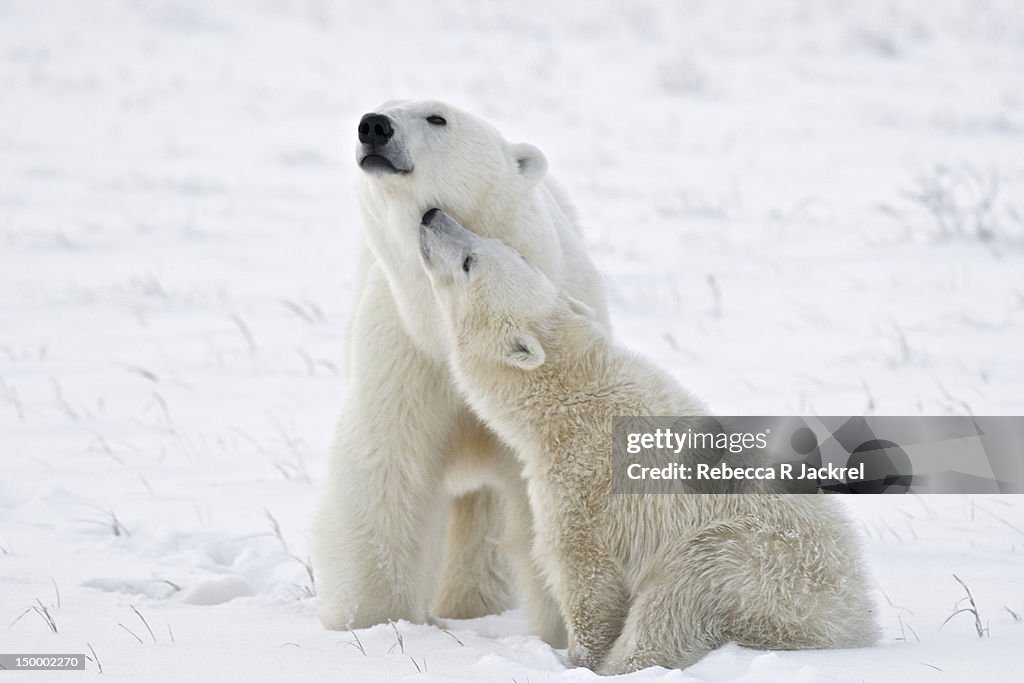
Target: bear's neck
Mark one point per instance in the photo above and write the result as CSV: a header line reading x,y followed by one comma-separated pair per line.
x,y
579,375
391,220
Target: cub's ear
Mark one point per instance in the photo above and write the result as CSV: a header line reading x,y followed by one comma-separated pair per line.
x,y
525,351
580,308
530,161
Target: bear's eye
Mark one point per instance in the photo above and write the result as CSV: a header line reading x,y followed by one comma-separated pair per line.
x,y
467,264
436,120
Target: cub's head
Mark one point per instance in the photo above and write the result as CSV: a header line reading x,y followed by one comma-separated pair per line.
x,y
439,154
498,306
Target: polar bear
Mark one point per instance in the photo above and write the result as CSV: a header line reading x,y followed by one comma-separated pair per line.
x,y
641,580
408,453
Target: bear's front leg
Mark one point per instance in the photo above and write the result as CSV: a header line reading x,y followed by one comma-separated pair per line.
x,y
595,610
379,529
587,581
474,577
490,532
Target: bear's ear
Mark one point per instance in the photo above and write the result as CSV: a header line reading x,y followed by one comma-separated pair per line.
x,y
580,308
530,161
525,351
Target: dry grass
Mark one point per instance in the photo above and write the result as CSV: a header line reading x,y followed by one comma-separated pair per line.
x,y
973,610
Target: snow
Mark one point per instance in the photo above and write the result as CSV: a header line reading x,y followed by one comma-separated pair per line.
x,y
177,238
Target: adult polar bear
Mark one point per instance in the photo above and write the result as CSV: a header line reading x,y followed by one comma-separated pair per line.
x,y
407,450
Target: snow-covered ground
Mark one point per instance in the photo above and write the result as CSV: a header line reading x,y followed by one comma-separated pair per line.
x,y
800,207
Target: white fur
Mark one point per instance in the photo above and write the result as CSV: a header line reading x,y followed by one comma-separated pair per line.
x,y
641,580
408,454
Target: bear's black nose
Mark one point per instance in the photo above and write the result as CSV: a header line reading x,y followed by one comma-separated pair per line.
x,y
429,216
375,129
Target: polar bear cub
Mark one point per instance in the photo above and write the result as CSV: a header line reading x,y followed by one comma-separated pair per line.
x,y
641,580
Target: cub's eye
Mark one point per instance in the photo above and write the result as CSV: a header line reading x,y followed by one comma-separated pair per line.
x,y
436,120
467,264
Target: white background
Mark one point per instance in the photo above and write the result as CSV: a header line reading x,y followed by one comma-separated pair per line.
x,y
177,238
